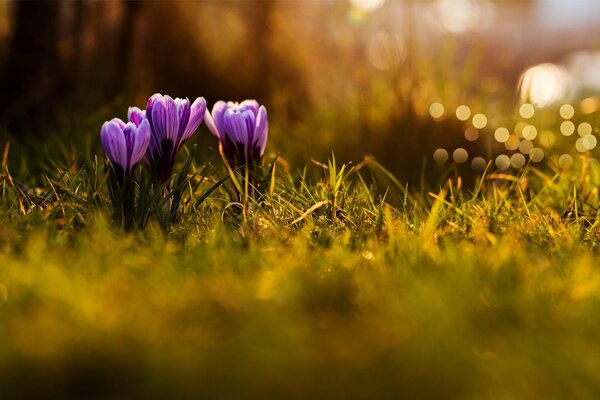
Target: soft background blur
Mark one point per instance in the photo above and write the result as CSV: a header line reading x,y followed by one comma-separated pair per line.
x,y
355,77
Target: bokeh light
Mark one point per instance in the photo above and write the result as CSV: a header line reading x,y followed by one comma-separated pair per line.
x,y
502,162
579,146
440,156
478,164
525,146
471,134
512,143
567,111
544,84
367,5
437,111
463,112
501,135
589,105
517,160
565,161
584,129
519,126
590,142
547,138
526,110
460,155
529,132
463,16
567,128
479,121
536,155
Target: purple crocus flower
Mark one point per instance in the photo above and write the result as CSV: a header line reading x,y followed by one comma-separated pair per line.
x,y
125,144
136,115
172,122
242,129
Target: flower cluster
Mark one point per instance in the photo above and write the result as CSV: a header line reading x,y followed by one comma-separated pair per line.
x,y
157,133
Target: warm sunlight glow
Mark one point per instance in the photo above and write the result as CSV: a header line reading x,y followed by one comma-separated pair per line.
x,y
462,16
545,84
385,50
367,5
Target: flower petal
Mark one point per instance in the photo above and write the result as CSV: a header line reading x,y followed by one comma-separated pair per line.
x,y
114,143
183,116
141,142
249,105
235,126
136,115
250,121
218,112
150,105
129,134
119,122
262,130
198,111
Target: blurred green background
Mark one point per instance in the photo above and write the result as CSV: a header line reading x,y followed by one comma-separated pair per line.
x,y
355,77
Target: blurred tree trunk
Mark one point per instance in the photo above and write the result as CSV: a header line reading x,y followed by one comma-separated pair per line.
x,y
33,62
124,47
260,42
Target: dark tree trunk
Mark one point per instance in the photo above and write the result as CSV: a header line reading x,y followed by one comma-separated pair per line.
x,y
33,66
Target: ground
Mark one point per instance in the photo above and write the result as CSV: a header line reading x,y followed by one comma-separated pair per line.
x,y
322,288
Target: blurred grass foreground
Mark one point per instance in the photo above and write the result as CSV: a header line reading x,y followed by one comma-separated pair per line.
x,y
426,225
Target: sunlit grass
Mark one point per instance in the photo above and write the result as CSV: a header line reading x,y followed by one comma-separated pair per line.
x,y
330,287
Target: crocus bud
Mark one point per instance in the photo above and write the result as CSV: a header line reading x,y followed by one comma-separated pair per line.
x,y
125,144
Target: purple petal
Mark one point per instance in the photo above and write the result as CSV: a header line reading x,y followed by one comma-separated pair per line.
x,y
218,113
249,105
262,130
250,121
164,119
136,115
235,126
129,133
198,110
119,122
114,143
142,139
150,106
183,113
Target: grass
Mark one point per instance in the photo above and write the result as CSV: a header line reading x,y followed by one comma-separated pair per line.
x,y
327,287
